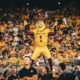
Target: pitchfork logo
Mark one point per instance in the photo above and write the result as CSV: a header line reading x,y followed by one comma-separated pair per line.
x,y
31,71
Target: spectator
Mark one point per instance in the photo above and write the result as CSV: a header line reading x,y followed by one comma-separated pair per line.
x,y
63,74
13,73
28,72
78,71
6,72
13,59
1,76
44,73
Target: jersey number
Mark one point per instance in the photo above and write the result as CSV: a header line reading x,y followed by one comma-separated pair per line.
x,y
40,38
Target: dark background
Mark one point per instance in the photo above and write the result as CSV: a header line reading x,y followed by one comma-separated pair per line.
x,y
47,4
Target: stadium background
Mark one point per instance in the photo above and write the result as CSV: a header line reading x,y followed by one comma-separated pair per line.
x,y
48,4
67,45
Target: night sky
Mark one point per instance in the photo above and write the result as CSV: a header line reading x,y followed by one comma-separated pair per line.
x,y
47,4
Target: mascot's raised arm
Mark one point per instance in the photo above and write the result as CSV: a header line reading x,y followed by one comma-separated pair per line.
x,y
41,39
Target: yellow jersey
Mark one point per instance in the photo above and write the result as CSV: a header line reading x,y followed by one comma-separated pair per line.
x,y
13,60
41,38
2,29
2,43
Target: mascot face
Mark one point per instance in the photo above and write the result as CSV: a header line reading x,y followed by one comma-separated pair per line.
x,y
40,25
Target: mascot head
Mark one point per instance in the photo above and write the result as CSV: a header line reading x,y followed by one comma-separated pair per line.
x,y
40,25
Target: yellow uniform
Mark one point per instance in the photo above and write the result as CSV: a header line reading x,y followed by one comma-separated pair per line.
x,y
41,39
2,43
2,29
25,23
13,60
21,62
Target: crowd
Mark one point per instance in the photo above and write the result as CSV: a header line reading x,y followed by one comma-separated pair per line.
x,y
64,46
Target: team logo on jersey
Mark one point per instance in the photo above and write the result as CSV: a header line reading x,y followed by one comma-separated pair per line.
x,y
31,71
40,33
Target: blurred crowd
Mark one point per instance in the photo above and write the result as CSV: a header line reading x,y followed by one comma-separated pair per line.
x,y
64,46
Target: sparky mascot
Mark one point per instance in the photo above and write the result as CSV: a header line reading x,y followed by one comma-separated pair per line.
x,y
41,39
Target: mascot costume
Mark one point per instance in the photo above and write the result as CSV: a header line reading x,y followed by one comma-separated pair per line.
x,y
41,39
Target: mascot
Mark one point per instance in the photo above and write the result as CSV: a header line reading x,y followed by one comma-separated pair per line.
x,y
41,39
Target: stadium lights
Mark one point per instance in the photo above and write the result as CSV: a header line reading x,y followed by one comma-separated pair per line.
x,y
59,3
27,4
